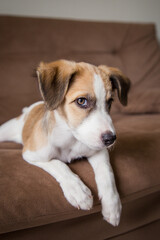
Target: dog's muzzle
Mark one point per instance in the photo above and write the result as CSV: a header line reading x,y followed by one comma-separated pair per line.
x,y
108,138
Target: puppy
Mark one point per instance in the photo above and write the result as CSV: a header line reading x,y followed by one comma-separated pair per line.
x,y
72,122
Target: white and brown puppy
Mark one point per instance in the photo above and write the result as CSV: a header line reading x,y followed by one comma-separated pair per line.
x,y
72,122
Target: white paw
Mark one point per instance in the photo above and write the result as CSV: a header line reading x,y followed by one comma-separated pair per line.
x,y
111,209
77,193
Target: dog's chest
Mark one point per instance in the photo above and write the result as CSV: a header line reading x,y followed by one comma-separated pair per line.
x,y
74,151
68,148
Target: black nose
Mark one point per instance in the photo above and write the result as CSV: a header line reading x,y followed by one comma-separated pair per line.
x,y
108,138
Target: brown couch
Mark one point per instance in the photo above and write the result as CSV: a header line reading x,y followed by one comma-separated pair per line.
x,y
32,205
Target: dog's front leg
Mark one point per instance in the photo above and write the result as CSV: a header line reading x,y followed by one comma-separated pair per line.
x,y
107,191
75,191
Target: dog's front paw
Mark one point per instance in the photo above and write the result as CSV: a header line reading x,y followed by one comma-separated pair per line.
x,y
77,193
111,210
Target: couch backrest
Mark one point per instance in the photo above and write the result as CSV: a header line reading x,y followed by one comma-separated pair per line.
x,y
24,42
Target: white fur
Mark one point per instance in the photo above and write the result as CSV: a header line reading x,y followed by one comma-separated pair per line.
x,y
107,191
99,92
65,144
98,122
12,130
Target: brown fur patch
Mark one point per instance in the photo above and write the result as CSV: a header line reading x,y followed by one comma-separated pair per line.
x,y
54,79
36,129
82,86
118,81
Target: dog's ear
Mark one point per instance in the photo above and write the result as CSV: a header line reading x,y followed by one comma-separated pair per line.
x,y
119,81
54,79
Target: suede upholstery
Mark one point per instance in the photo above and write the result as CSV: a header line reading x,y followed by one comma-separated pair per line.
x,y
31,198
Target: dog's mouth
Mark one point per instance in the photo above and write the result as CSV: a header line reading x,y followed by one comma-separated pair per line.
x,y
102,146
111,146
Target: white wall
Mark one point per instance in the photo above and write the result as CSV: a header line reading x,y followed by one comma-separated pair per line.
x,y
101,10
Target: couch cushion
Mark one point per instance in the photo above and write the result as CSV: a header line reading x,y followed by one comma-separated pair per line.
x,y
31,197
93,227
25,42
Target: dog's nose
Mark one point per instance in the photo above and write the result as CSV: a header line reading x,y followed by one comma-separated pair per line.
x,y
108,138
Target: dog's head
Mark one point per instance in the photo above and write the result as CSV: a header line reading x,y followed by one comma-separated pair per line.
x,y
83,95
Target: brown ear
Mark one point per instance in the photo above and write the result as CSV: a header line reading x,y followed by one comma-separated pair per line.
x,y
119,81
54,79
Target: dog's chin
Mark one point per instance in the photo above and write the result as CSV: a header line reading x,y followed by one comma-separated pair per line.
x,y
99,148
96,147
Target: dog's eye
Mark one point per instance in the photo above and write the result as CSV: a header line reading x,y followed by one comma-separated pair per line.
x,y
82,102
109,103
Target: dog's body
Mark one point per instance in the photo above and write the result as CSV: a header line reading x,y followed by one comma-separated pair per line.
x,y
73,122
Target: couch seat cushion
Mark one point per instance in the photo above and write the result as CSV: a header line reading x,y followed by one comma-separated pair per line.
x,y
31,197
